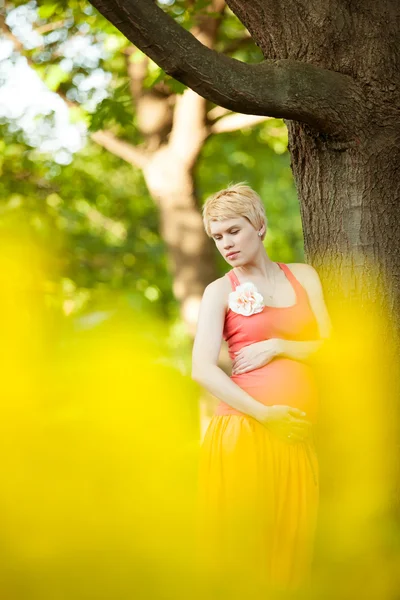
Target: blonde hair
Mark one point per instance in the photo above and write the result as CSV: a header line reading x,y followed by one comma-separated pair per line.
x,y
237,200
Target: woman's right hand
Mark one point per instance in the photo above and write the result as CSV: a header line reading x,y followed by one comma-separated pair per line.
x,y
287,422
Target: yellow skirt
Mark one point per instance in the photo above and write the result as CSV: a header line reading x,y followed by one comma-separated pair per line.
x,y
257,504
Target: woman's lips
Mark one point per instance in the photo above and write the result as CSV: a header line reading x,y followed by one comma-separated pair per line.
x,y
233,255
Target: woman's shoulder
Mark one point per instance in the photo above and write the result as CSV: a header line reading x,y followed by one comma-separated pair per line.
x,y
219,289
303,269
306,275
222,284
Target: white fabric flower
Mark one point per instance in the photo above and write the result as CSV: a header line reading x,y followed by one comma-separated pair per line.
x,y
246,300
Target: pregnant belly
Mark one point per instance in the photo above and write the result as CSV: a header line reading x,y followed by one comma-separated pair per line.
x,y
282,381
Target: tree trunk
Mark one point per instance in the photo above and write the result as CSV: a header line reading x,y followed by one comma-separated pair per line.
x,y
350,207
191,255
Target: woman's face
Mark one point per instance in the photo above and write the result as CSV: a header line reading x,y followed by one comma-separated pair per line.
x,y
236,239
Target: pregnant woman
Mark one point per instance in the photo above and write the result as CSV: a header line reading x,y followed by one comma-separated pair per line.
x,y
258,476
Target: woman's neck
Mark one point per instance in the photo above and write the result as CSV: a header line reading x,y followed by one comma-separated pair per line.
x,y
262,266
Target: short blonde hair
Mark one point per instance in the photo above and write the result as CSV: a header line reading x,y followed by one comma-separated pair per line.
x,y
237,200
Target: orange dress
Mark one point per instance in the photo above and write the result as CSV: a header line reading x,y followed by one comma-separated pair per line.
x,y
258,494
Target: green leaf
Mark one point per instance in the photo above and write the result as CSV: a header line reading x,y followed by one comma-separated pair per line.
x,y
118,109
54,77
47,10
176,86
201,5
154,76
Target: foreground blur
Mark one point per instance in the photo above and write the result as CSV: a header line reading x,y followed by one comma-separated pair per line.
x,y
100,442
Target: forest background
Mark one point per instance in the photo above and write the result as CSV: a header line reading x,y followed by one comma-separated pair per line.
x,y
104,159
70,185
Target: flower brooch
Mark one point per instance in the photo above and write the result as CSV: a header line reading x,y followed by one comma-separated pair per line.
x,y
246,300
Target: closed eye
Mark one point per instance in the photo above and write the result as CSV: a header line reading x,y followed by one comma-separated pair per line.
x,y
233,232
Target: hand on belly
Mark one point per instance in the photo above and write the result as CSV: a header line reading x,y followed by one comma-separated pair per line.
x,y
282,381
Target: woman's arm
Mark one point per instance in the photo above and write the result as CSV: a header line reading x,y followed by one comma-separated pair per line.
x,y
205,355
297,350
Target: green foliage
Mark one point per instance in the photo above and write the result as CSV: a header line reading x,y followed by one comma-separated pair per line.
x,y
95,216
116,109
54,76
95,221
47,10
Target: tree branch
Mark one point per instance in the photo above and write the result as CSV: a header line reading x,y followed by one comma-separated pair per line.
x,y
50,27
7,33
289,89
120,148
189,129
236,121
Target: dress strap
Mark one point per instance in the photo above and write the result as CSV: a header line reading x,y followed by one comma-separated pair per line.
x,y
234,280
295,282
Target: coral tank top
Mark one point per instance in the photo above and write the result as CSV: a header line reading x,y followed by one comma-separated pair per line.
x,y
283,380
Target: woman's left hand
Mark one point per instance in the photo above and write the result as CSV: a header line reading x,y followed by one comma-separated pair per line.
x,y
255,355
